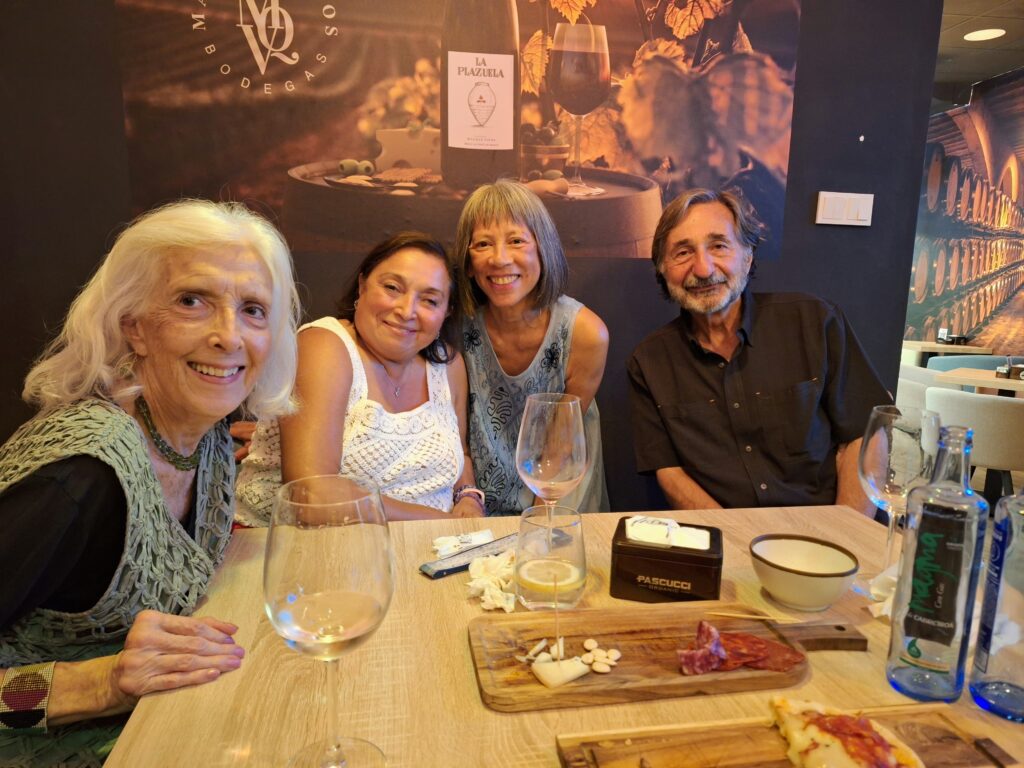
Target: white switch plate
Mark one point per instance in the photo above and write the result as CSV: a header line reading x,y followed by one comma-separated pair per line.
x,y
848,208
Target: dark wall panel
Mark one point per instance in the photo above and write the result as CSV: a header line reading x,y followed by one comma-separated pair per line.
x,y
63,172
865,69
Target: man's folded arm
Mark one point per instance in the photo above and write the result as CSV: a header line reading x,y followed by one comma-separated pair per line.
x,y
682,491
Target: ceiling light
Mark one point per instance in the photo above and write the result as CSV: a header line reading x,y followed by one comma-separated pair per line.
x,y
984,34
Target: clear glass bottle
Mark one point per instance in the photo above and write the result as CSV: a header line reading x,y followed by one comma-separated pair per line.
x,y
934,600
997,680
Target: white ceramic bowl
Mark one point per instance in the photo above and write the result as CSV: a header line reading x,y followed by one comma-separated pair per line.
x,y
802,572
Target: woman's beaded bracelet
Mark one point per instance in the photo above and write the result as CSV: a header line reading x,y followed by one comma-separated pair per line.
x,y
24,697
469,490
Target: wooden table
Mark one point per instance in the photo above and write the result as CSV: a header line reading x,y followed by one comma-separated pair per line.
x,y
935,348
412,690
978,377
929,349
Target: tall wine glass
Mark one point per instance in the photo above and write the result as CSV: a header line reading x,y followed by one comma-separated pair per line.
x,y
551,455
328,577
896,455
580,79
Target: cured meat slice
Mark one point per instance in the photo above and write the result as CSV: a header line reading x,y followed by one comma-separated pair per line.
x,y
741,648
698,661
705,654
780,658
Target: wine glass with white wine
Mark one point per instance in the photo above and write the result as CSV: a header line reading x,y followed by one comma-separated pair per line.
x,y
328,578
551,457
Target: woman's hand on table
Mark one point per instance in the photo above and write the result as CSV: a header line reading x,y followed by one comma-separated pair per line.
x,y
468,506
163,652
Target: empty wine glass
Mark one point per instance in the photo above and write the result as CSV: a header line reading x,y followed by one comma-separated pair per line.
x,y
896,455
328,577
551,454
579,78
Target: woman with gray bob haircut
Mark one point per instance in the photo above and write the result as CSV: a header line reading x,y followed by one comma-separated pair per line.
x,y
522,335
116,499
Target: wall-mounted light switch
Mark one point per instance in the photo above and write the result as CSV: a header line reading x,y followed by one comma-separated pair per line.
x,y
847,208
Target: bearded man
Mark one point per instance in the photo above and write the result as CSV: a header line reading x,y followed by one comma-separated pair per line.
x,y
746,399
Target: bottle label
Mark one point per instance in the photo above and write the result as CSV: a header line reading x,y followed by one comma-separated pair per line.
x,y
481,100
990,605
936,576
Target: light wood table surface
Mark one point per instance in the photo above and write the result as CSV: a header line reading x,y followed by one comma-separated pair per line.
x,y
977,377
412,689
934,348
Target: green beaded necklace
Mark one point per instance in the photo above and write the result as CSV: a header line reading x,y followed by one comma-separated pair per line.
x,y
184,463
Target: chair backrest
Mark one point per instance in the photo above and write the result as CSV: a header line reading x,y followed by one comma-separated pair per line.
x,y
910,394
986,362
924,376
998,424
910,356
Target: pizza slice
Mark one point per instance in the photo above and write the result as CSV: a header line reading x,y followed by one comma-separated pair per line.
x,y
822,737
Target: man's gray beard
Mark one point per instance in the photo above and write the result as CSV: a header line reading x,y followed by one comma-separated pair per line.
x,y
709,305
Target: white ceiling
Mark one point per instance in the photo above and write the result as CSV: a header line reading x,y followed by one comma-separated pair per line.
x,y
961,63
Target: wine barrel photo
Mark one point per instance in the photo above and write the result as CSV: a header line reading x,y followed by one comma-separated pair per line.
x,y
950,185
921,272
953,270
932,185
938,267
964,199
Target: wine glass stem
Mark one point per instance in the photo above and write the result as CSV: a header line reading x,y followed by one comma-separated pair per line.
x,y
895,515
335,758
577,177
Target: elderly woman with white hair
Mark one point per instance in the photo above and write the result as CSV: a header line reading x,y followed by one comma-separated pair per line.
x,y
116,499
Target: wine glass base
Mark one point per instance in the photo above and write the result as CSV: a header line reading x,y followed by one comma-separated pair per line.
x,y
339,753
582,189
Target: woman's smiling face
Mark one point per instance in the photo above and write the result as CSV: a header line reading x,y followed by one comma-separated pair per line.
x,y
504,262
403,303
204,336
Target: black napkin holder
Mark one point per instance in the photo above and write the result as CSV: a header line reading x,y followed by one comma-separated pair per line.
x,y
650,573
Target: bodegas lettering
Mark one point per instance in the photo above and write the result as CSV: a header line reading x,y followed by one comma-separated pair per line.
x,y
285,55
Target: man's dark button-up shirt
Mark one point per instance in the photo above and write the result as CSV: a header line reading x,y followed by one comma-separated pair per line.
x,y
761,429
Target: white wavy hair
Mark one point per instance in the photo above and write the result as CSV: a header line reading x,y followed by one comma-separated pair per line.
x,y
92,358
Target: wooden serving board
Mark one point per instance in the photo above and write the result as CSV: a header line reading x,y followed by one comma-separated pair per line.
x,y
758,744
649,668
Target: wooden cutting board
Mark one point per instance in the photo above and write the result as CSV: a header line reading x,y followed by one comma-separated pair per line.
x,y
758,744
648,638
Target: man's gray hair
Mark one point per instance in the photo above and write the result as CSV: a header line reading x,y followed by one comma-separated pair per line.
x,y
749,230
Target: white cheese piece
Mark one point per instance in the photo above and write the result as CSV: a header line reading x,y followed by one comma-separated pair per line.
x,y
421,149
556,673
690,538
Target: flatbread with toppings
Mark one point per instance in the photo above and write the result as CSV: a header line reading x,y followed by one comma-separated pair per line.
x,y
822,737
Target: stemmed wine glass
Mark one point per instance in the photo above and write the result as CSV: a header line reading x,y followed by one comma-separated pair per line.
x,y
896,455
328,577
551,455
579,78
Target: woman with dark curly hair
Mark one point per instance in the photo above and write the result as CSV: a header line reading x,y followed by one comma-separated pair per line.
x,y
382,394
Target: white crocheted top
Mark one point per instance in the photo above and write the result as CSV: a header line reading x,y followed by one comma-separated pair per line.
x,y
413,456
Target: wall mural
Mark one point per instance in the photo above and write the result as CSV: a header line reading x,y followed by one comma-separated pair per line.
x,y
348,120
969,253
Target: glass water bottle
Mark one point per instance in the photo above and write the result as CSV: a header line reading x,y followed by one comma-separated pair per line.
x,y
934,600
997,680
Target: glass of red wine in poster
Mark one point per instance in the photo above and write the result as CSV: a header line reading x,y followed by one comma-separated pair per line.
x,y
580,79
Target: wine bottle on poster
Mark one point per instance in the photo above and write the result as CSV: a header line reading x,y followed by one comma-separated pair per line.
x,y
480,92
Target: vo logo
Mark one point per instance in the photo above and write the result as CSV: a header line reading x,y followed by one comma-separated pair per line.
x,y
269,30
